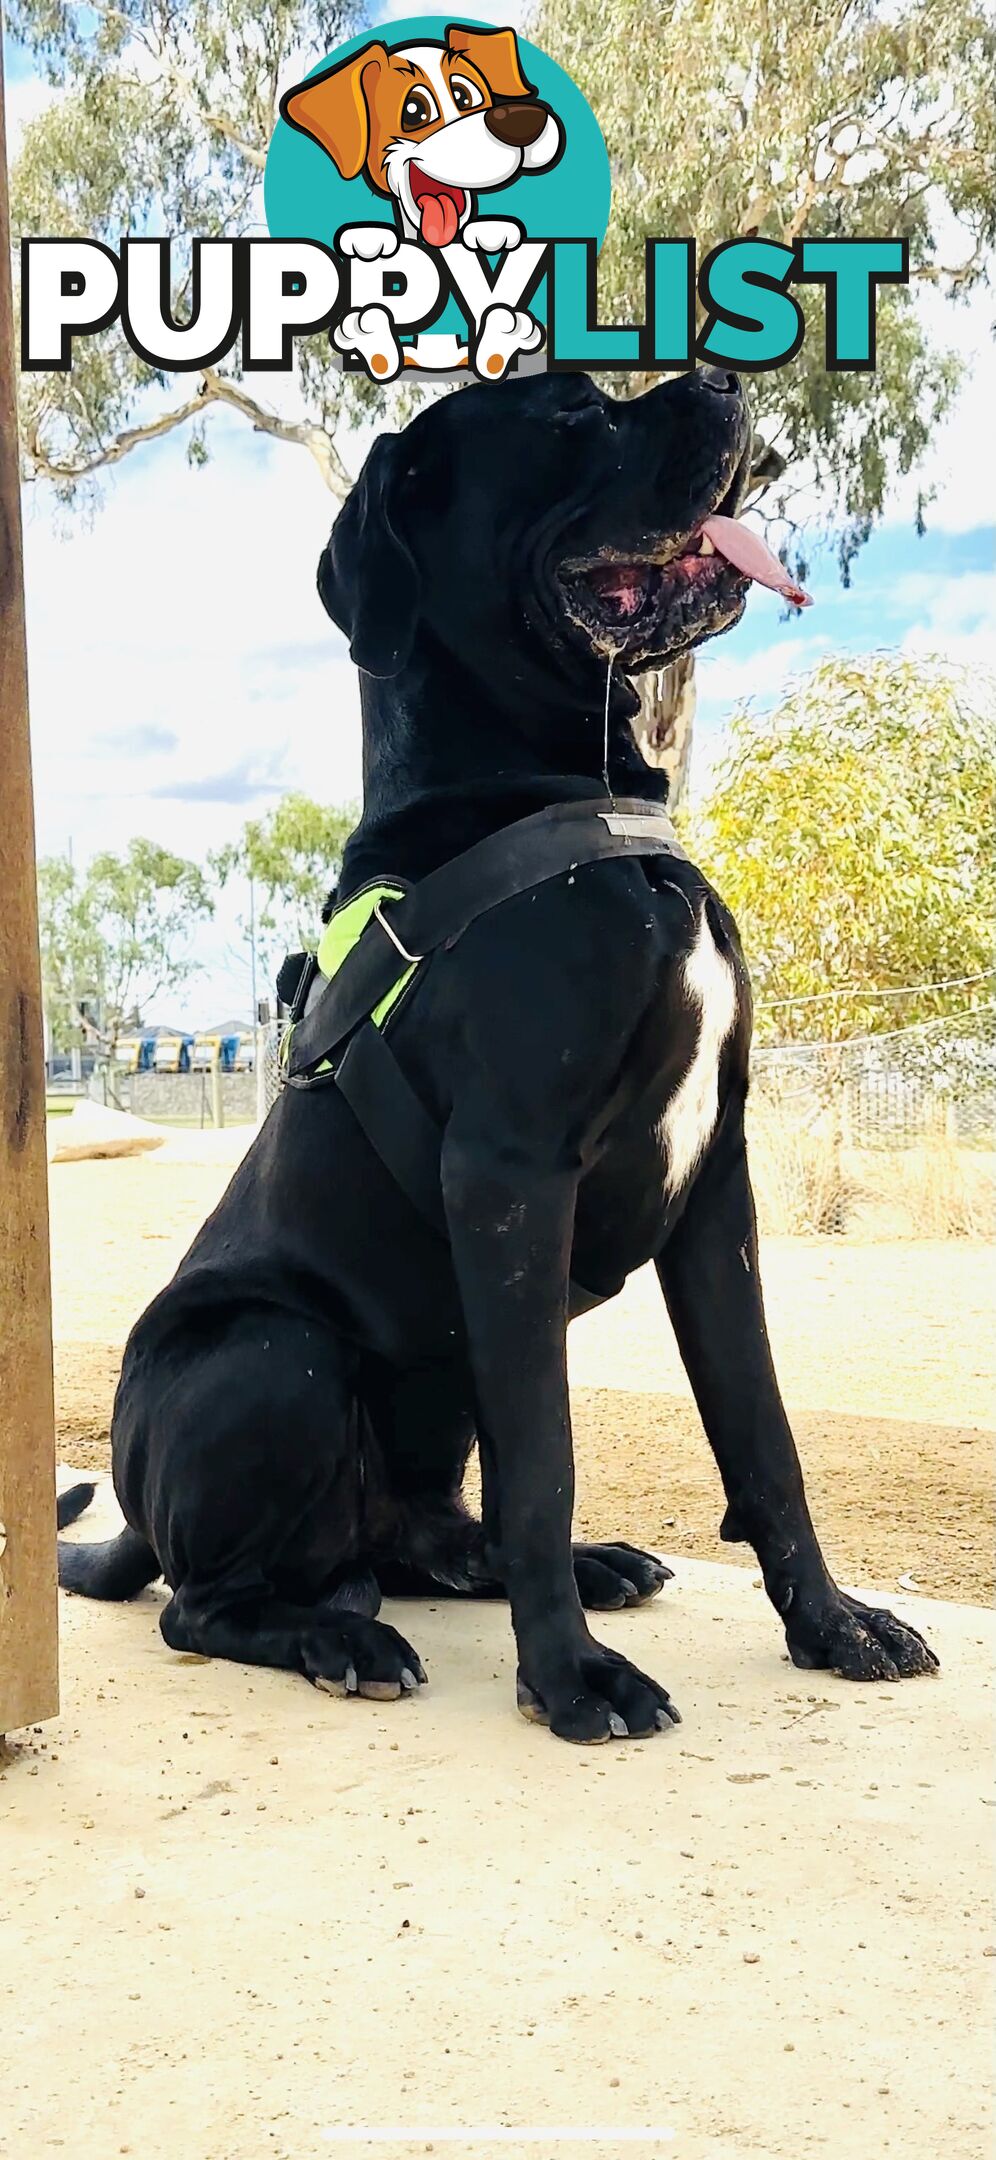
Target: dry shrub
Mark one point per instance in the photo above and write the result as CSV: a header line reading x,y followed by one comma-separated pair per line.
x,y
945,1191
806,1182
800,1183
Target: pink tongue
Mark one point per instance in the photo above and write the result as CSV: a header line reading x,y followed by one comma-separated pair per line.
x,y
747,553
439,219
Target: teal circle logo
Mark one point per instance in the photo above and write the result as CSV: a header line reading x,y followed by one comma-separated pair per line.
x,y
438,160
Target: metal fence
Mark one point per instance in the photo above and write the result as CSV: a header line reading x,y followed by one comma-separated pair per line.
x,y
268,1070
934,1080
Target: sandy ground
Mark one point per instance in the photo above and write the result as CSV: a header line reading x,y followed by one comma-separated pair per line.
x,y
884,1351
241,1919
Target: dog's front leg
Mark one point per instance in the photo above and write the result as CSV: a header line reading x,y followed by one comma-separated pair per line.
x,y
511,1224
709,1275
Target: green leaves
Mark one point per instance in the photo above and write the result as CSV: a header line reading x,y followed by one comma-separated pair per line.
x,y
117,932
851,833
800,118
162,126
292,855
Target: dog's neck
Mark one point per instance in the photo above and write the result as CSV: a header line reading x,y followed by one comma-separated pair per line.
x,y
444,764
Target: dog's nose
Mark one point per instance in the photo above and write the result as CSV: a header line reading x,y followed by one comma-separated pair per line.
x,y
716,378
516,125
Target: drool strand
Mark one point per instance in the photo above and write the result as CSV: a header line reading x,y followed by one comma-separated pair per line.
x,y
613,655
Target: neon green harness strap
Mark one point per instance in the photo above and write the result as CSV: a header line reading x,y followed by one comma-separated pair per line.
x,y
344,929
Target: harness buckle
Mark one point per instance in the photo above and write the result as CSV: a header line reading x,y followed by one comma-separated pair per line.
x,y
412,958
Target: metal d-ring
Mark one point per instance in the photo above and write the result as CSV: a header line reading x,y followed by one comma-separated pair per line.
x,y
413,958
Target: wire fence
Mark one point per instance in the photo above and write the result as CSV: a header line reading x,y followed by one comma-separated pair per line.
x,y
269,1068
936,1079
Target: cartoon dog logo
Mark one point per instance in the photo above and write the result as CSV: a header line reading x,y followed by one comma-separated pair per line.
x,y
432,126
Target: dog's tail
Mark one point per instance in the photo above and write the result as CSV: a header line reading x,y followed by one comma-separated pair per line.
x,y
69,1506
118,1568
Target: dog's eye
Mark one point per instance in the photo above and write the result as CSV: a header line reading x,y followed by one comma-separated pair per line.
x,y
466,95
419,109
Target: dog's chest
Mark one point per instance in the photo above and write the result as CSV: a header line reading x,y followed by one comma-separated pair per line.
x,y
688,1120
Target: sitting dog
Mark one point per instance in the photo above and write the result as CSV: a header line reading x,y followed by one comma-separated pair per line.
x,y
431,126
297,1408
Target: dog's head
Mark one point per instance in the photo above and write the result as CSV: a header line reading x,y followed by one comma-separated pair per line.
x,y
431,125
532,527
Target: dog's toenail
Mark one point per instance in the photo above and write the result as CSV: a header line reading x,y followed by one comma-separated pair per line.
x,y
618,1726
408,1679
351,1681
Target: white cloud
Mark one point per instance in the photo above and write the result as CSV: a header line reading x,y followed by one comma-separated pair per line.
x,y
26,97
178,637
956,618
950,604
725,679
182,670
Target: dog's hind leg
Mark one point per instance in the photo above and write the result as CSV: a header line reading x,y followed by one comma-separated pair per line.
x,y
339,1650
423,1425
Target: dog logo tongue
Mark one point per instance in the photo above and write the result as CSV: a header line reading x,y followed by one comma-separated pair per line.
x,y
439,220
439,208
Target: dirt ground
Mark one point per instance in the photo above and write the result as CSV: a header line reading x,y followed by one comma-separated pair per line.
x,y
243,1919
884,1352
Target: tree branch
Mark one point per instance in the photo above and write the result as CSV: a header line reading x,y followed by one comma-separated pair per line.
x,y
49,468
308,433
249,151
214,389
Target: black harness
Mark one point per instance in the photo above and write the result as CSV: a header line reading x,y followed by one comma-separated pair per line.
x,y
334,1041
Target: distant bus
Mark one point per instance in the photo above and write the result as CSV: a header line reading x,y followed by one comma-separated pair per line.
x,y
135,1053
211,1050
172,1053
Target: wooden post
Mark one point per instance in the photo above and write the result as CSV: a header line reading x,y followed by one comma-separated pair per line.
x,y
217,1097
29,1665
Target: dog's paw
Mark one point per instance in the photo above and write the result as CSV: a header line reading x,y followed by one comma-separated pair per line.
x,y
504,332
493,236
611,1576
369,332
600,1697
353,1656
368,242
861,1642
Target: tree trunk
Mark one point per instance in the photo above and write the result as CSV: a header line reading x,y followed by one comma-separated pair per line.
x,y
664,725
29,1663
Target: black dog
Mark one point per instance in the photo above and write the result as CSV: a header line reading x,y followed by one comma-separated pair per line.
x,y
297,1408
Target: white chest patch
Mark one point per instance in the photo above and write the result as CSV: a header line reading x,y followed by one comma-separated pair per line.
x,y
689,1121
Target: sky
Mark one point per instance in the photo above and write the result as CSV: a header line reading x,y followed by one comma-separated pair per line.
x,y
183,673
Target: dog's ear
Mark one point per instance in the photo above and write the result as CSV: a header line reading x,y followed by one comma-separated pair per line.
x,y
495,54
334,108
367,576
